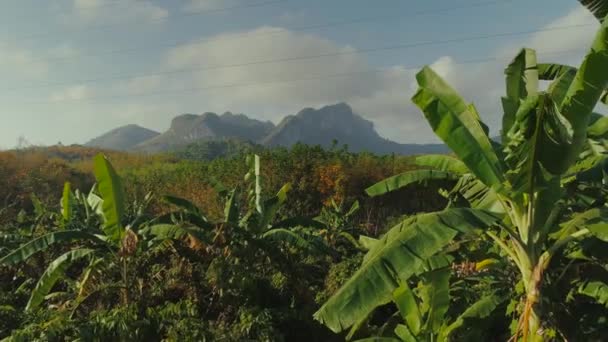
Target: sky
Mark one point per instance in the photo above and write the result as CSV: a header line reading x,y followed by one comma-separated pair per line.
x,y
71,70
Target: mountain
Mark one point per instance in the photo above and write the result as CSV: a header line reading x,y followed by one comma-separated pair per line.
x,y
122,138
207,135
189,128
339,122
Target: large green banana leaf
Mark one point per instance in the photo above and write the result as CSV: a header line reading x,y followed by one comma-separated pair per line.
x,y
480,309
441,162
521,82
176,232
272,205
401,180
293,222
552,71
435,295
599,8
400,253
184,204
477,194
310,243
52,274
579,101
596,290
111,190
42,243
67,203
404,298
458,125
231,209
258,184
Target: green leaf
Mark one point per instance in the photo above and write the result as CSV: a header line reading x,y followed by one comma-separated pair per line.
x,y
111,190
231,210
353,209
442,162
596,290
258,184
480,309
67,201
399,254
53,273
42,243
95,202
408,308
435,297
553,71
404,333
272,205
459,127
579,101
521,81
599,127
310,243
477,194
177,232
293,222
599,8
407,178
596,220
367,242
191,214
183,204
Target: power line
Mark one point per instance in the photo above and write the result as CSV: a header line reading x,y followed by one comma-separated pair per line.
x,y
157,20
288,81
301,58
279,31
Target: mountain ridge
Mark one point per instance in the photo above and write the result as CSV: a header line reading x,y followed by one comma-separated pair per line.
x,y
122,138
323,126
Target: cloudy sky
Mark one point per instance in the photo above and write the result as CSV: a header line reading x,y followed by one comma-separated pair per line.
x,y
73,69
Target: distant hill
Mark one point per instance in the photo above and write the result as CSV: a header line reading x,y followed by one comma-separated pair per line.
x,y
207,135
212,149
189,128
339,122
122,138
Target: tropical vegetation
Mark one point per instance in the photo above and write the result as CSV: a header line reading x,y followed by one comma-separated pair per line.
x,y
503,239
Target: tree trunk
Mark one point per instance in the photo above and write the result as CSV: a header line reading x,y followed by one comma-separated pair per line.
x,y
531,318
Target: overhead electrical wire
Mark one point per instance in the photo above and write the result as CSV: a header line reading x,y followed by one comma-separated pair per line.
x,y
156,20
300,58
284,81
275,31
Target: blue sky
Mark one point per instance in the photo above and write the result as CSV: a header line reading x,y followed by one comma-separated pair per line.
x,y
73,69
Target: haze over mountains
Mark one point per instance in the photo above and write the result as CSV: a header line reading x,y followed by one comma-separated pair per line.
x,y
310,126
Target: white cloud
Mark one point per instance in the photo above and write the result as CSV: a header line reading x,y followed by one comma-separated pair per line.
x,y
383,97
141,84
21,61
273,82
569,38
107,11
72,93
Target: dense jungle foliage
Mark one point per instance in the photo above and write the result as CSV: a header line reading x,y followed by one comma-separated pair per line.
x,y
499,241
206,282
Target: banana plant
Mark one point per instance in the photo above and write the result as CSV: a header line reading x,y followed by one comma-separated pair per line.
x,y
338,223
512,192
252,218
422,310
100,236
